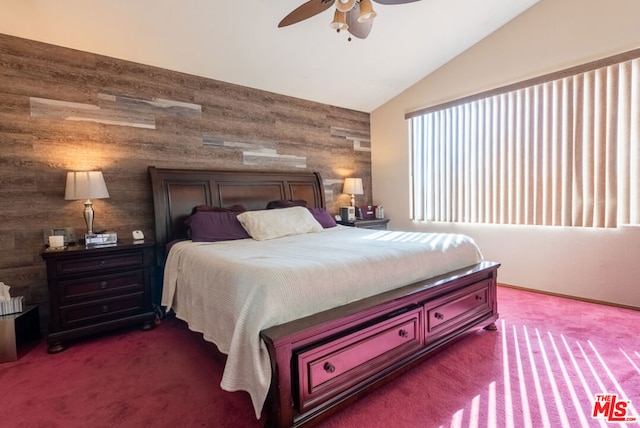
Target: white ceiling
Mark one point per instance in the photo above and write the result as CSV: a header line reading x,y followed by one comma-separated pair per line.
x,y
238,41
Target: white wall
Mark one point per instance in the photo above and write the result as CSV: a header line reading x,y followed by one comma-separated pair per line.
x,y
601,264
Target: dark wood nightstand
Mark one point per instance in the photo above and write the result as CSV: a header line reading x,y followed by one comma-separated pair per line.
x,y
378,223
92,290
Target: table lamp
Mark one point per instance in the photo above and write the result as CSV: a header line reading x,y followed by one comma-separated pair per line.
x,y
353,186
86,185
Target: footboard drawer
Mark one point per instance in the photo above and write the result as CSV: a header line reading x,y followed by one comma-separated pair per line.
x,y
456,310
327,369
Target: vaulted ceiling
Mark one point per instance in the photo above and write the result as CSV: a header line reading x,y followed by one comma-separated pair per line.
x,y
238,41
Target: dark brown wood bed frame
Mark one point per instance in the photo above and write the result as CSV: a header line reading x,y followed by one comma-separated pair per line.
x,y
324,362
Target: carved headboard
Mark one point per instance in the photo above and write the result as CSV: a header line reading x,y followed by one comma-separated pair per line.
x,y
177,191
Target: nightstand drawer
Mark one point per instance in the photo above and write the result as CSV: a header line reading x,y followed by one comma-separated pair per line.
x,y
99,286
91,264
83,314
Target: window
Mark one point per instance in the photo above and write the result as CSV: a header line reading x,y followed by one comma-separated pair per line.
x,y
558,150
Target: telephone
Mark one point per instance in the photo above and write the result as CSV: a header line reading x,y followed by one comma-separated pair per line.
x,y
69,234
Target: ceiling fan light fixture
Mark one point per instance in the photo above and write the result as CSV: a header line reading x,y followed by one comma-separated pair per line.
x,y
339,21
345,5
366,11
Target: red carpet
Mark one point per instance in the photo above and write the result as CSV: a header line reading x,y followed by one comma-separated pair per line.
x,y
542,368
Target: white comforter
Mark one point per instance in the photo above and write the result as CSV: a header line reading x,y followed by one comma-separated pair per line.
x,y
230,291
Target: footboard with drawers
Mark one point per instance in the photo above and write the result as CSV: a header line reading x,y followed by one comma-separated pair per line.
x,y
323,362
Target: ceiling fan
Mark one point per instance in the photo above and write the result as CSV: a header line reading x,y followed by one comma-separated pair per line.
x,y
354,16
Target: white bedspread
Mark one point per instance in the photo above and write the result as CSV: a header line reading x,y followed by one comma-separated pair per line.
x,y
230,291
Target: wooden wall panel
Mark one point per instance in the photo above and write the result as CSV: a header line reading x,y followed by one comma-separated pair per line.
x,y
62,110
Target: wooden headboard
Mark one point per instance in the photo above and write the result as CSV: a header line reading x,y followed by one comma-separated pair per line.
x,y
177,191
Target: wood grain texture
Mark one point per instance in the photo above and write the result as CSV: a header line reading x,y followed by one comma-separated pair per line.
x,y
63,109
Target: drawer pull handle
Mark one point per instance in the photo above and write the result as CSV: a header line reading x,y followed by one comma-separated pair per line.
x,y
103,285
439,316
105,309
478,297
329,368
102,263
403,333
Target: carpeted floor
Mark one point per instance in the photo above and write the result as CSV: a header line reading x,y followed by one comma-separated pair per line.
x,y
542,368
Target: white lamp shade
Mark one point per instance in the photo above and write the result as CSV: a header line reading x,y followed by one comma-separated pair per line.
x,y
339,21
366,11
85,185
353,186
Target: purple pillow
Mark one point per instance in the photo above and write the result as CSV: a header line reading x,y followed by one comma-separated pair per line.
x,y
323,217
209,208
284,203
212,226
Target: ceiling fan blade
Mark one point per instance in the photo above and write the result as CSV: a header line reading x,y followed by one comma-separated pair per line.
x,y
358,29
306,10
394,1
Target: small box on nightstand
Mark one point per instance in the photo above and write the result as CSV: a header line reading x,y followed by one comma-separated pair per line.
x,y
19,332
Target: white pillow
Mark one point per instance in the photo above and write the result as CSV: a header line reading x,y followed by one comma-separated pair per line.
x,y
270,224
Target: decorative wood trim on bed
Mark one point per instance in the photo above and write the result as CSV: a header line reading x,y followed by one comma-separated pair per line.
x,y
322,363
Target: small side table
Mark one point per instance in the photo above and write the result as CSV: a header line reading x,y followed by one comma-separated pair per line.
x,y
19,333
378,223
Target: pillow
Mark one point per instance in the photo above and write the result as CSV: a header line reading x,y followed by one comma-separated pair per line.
x,y
270,224
323,217
209,208
284,203
213,226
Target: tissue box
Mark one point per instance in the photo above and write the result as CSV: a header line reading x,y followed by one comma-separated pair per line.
x,y
12,306
19,333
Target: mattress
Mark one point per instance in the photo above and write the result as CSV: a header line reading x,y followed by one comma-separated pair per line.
x,y
229,291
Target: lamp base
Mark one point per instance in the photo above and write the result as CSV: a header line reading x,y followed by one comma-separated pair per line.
x,y
88,216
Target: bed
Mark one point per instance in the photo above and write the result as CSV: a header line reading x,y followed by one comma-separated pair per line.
x,y
312,320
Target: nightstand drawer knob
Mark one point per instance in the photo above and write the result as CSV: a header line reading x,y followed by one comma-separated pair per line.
x,y
403,333
329,368
103,285
105,309
439,316
102,262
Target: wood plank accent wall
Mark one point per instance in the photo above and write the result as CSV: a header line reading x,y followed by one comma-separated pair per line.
x,y
63,110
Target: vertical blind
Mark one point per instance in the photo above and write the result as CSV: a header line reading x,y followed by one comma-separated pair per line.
x,y
564,152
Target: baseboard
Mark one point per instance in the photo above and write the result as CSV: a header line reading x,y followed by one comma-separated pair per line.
x,y
566,296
